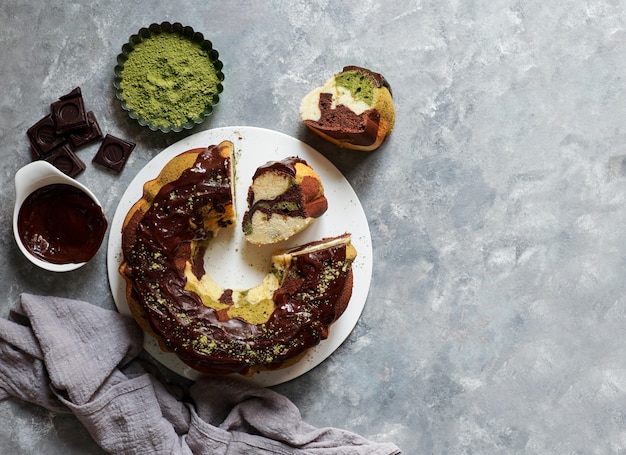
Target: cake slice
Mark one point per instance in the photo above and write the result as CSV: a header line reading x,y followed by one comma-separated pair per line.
x,y
284,198
354,109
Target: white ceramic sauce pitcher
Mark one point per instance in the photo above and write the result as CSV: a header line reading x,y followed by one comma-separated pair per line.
x,y
29,179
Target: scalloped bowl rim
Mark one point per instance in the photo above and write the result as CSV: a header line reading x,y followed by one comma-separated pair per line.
x,y
184,30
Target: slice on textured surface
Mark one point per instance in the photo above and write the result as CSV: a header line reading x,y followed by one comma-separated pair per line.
x,y
354,109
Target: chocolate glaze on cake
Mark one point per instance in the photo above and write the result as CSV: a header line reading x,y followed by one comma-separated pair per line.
x,y
165,243
304,307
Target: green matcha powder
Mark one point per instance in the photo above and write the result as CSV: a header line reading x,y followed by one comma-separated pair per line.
x,y
169,80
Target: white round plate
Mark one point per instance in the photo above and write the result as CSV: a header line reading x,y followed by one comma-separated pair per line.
x,y
232,262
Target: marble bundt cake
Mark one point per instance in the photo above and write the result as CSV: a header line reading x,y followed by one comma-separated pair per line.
x,y
212,329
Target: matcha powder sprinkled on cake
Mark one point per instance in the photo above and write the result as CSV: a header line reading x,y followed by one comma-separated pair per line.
x,y
169,80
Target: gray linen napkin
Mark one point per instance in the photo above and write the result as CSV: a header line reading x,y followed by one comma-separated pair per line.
x,y
71,356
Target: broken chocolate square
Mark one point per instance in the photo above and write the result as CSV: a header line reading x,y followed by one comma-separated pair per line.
x,y
65,160
43,137
69,112
84,136
74,93
113,153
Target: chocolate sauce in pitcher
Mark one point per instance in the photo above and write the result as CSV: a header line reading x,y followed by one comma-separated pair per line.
x,y
61,224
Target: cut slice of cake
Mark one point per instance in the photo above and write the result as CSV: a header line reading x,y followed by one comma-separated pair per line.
x,y
354,109
284,198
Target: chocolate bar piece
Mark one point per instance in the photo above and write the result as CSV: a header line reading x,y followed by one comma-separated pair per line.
x,y
113,153
73,94
43,137
69,112
65,160
84,136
